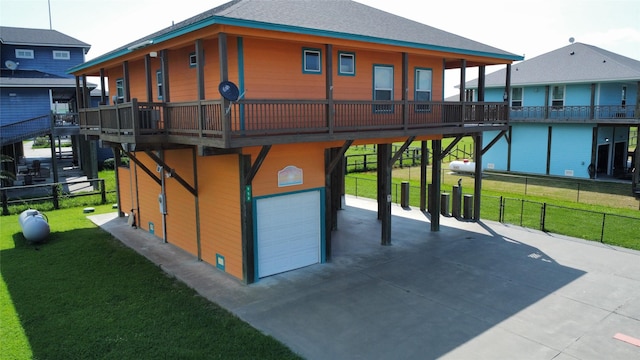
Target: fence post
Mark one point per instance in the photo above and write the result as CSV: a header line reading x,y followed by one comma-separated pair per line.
x,y
604,217
578,198
543,216
521,210
54,196
5,203
356,187
501,210
103,191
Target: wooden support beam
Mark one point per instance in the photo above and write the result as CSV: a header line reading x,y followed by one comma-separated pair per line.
x,y
194,157
448,148
402,149
256,165
478,176
494,141
200,69
424,159
147,75
144,168
436,147
336,160
384,153
172,173
246,209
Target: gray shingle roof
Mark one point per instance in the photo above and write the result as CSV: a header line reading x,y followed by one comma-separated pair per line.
x,y
575,63
334,18
38,37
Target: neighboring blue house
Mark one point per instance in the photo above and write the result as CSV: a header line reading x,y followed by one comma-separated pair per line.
x,y
571,114
34,84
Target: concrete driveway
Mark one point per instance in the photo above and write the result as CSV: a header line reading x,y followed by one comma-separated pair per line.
x,y
471,291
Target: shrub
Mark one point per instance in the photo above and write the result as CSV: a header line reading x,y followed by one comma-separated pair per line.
x,y
108,164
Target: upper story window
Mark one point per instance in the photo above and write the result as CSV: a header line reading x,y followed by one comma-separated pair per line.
x,y
557,96
624,96
516,98
347,62
424,79
120,90
24,54
61,55
193,60
311,61
159,82
383,87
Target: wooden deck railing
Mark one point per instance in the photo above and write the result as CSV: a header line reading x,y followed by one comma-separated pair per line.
x,y
574,113
198,121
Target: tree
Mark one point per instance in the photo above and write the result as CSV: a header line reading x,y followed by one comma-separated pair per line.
x,y
5,175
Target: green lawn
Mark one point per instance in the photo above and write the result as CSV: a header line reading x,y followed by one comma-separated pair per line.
x,y
83,295
567,217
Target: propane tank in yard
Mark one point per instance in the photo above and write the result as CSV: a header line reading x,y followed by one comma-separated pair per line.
x,y
34,224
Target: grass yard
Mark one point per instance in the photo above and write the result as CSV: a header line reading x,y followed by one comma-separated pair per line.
x,y
564,215
84,295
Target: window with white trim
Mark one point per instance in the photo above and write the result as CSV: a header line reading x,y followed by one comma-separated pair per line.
x,y
516,98
311,61
159,82
347,64
24,54
193,60
383,87
120,90
423,84
624,96
61,55
557,97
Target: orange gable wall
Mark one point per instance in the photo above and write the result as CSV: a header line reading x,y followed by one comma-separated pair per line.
x,y
308,157
181,205
220,219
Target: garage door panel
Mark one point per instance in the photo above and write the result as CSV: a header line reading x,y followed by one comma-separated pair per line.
x,y
288,232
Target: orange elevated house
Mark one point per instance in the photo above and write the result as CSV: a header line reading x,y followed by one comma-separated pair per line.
x,y
236,122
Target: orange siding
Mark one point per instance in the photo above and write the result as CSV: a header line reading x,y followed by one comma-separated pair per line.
x,y
220,218
137,81
125,189
147,192
273,70
308,157
182,77
181,205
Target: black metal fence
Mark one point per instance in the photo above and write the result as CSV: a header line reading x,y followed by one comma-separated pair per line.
x,y
573,222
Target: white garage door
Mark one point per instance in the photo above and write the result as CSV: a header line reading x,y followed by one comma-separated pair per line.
x,y
288,232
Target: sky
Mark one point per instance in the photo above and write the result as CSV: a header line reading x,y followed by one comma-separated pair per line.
x,y
523,27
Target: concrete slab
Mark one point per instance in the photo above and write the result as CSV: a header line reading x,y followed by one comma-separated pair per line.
x,y
471,291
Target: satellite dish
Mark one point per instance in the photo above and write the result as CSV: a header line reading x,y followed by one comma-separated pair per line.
x,y
11,65
571,40
229,90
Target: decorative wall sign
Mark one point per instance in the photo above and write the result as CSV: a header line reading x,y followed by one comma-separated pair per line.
x,y
290,176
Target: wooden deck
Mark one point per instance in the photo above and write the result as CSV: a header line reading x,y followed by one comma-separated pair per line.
x,y
216,123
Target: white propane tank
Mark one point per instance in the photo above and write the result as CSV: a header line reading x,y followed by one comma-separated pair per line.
x,y
34,224
463,166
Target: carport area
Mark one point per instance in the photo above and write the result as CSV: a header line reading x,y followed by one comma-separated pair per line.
x,y
469,291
